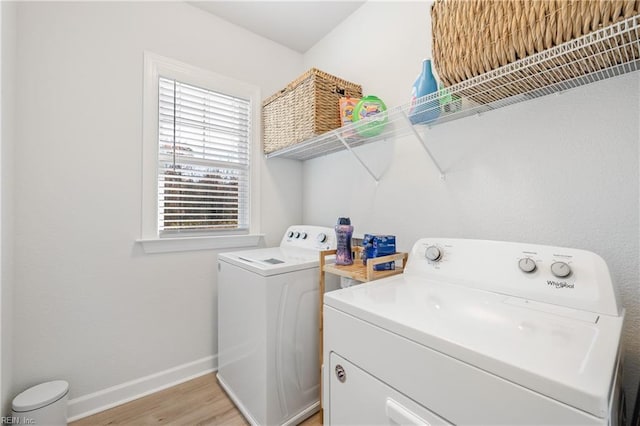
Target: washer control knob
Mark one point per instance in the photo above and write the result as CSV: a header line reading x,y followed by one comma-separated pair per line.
x,y
527,264
322,237
290,234
303,235
297,235
560,269
433,253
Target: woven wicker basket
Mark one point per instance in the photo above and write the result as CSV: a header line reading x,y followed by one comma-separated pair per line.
x,y
471,37
307,107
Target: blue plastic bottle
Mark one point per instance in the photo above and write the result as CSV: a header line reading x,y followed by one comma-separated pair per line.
x,y
424,84
344,232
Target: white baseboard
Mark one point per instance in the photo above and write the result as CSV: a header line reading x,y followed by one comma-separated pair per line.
x,y
93,403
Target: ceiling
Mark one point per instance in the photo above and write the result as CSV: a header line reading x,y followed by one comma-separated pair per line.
x,y
295,24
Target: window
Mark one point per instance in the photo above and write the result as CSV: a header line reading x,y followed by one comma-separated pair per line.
x,y
203,159
199,154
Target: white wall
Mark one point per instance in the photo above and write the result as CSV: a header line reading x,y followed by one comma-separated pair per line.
x,y
7,90
93,308
559,171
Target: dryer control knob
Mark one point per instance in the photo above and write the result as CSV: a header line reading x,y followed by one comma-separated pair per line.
x,y
297,235
527,264
560,269
433,253
322,237
290,234
303,235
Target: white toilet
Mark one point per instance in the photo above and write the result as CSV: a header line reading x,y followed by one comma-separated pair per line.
x,y
43,404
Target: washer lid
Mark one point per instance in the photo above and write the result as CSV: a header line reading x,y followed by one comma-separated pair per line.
x,y
40,395
273,261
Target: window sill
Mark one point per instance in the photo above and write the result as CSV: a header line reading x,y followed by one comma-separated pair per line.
x,y
167,245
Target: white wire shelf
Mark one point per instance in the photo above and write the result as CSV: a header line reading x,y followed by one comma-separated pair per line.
x,y
606,53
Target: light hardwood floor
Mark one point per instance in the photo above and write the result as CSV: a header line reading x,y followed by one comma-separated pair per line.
x,y
199,401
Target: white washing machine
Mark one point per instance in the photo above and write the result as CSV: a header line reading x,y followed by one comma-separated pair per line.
x,y
268,325
477,332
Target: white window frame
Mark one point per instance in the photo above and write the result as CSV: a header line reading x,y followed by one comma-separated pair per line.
x,y
156,66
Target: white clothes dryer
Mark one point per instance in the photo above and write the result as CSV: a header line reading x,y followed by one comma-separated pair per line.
x,y
268,325
477,332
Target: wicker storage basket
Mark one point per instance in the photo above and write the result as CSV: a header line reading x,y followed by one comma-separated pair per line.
x,y
307,107
471,37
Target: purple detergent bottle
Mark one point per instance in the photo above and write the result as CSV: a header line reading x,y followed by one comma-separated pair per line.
x,y
344,232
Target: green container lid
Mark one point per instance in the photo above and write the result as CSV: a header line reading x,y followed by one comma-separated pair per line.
x,y
370,106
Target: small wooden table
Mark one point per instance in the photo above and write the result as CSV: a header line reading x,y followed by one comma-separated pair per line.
x,y
359,272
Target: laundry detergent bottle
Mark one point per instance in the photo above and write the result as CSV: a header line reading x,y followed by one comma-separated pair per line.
x,y
425,112
344,232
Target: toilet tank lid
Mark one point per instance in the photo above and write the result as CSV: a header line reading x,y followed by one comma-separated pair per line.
x,y
40,395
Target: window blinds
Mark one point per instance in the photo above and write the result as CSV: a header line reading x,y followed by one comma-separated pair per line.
x,y
203,159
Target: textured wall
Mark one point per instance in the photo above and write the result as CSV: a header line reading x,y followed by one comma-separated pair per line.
x,y
8,89
94,309
560,171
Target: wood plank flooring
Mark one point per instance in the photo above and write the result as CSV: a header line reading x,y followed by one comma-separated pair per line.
x,y
200,401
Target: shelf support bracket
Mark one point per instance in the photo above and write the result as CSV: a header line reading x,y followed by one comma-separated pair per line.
x,y
424,144
346,145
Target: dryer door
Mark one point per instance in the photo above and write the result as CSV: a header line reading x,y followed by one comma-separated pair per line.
x,y
357,398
